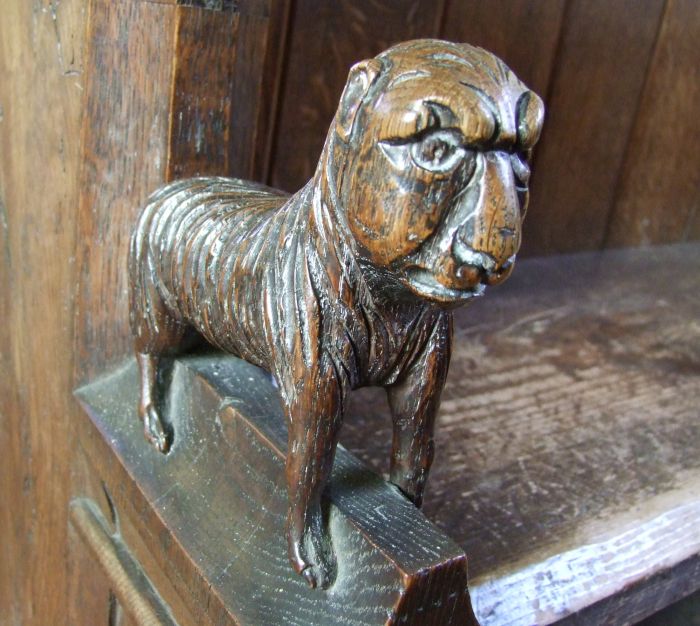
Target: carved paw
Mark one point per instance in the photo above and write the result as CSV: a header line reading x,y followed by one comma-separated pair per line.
x,y
311,554
154,430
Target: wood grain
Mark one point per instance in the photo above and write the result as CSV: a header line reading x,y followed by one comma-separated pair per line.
x,y
210,514
658,195
168,94
41,64
601,64
125,149
325,40
570,419
522,33
43,78
200,103
255,89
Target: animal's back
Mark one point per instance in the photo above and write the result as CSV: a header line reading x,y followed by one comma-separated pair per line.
x,y
191,238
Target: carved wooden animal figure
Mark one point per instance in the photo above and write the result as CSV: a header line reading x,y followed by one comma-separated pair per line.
x,y
416,206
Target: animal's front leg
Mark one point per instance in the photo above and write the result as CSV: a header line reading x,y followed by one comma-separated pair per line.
x,y
414,402
314,421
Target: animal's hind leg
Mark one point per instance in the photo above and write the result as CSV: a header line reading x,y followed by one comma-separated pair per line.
x,y
154,428
157,333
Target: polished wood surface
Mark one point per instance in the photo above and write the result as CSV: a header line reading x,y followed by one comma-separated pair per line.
x,y
569,434
210,515
41,64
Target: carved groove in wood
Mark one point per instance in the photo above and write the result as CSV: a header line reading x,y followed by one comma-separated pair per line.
x,y
415,208
137,595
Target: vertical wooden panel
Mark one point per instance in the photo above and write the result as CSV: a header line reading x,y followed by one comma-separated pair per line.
x,y
225,83
203,55
326,39
255,87
603,58
523,33
659,189
692,232
41,83
125,133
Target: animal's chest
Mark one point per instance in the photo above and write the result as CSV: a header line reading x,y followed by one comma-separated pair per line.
x,y
392,342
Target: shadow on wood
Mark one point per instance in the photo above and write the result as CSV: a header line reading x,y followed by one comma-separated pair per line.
x,y
218,503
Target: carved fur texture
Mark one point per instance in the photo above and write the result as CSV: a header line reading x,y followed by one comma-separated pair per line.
x,y
416,206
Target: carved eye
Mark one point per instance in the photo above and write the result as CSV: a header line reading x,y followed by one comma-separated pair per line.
x,y
438,151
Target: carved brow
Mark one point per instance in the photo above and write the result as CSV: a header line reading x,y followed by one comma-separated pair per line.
x,y
410,75
498,75
490,105
440,115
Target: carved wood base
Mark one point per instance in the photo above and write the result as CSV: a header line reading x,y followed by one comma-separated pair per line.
x,y
212,511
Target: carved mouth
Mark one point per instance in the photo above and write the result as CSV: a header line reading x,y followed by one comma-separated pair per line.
x,y
424,284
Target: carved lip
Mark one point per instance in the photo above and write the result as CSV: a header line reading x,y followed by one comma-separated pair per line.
x,y
423,283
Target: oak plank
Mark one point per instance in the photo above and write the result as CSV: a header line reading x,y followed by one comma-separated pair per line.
x,y
522,33
659,189
170,91
566,447
200,101
211,513
600,69
125,154
255,90
41,87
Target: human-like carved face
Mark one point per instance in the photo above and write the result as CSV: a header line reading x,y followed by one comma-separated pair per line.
x,y
434,180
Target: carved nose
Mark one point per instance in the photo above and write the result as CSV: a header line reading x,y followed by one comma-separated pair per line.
x,y
477,266
466,255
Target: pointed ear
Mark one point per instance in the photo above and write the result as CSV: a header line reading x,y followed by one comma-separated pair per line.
x,y
361,77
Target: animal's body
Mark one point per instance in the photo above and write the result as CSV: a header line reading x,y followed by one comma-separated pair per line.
x,y
268,279
415,207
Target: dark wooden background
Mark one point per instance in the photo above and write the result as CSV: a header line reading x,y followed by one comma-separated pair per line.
x,y
618,165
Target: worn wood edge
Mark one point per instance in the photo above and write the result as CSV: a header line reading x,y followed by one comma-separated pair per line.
x,y
424,578
421,582
146,526
560,586
137,595
425,575
661,590
346,463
